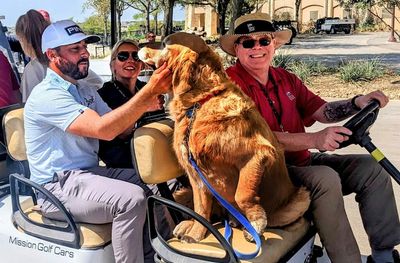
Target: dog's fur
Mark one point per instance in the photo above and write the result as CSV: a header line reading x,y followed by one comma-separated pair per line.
x,y
230,141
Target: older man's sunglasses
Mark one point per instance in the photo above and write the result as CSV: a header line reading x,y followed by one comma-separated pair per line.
x,y
250,43
124,55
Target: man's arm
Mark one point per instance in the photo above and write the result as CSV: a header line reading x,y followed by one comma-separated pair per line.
x,y
113,123
336,111
329,138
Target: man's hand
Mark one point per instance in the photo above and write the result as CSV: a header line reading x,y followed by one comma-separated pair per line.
x,y
362,101
156,103
329,138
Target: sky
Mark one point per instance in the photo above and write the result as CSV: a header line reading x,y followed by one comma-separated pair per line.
x,y
58,9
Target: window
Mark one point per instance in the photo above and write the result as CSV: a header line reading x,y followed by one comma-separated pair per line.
x,y
313,15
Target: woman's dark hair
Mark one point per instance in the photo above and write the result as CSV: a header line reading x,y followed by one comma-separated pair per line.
x,y
29,29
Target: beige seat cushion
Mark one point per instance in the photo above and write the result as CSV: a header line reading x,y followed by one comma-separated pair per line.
x,y
276,243
152,152
92,236
13,122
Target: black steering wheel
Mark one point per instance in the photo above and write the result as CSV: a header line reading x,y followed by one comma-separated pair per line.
x,y
360,124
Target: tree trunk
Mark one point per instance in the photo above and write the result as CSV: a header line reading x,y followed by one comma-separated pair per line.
x,y
168,16
155,17
221,10
105,27
392,38
148,20
297,11
237,6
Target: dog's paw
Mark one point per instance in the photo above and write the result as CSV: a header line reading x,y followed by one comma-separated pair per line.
x,y
259,225
188,239
182,229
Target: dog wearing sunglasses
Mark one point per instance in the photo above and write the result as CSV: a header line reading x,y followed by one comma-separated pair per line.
x,y
230,141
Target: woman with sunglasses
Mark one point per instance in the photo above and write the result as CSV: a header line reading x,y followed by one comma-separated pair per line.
x,y
288,106
125,67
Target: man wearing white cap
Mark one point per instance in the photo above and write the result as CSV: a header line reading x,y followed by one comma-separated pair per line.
x,y
63,123
288,106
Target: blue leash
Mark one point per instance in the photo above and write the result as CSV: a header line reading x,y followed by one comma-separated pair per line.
x,y
191,113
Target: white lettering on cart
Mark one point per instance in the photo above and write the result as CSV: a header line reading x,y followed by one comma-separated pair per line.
x,y
48,248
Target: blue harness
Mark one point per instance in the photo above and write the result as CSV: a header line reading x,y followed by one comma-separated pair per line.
x,y
191,114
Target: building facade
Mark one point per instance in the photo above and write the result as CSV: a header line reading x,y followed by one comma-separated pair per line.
x,y
206,18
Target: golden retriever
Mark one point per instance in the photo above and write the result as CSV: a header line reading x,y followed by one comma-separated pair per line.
x,y
229,140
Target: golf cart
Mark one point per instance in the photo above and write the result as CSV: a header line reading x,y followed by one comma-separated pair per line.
x,y
26,235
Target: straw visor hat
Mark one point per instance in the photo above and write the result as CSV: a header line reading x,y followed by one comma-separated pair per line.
x,y
253,24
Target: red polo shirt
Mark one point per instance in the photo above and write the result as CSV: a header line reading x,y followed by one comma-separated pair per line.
x,y
295,103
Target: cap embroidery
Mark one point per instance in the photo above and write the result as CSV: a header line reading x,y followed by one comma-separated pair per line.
x,y
251,27
75,29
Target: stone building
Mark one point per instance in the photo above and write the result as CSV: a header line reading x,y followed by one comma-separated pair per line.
x,y
205,17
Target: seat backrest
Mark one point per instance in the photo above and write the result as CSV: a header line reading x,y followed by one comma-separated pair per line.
x,y
153,155
14,134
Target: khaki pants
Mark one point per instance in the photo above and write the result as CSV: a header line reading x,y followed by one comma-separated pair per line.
x,y
102,195
331,176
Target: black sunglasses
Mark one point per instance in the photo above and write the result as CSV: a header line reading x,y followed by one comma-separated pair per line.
x,y
124,55
250,43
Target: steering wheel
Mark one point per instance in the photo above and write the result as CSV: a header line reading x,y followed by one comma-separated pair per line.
x,y
360,124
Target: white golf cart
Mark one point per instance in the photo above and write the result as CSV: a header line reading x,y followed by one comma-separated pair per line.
x,y
26,235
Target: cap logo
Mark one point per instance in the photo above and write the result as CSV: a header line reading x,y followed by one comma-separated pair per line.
x,y
75,29
251,27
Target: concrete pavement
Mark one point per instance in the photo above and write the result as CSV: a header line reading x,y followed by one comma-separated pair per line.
x,y
332,49
386,136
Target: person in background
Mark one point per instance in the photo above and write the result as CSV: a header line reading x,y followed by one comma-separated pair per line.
x,y
151,37
125,67
29,29
45,15
75,117
288,106
9,88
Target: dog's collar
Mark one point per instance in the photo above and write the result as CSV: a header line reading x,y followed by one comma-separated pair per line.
x,y
197,105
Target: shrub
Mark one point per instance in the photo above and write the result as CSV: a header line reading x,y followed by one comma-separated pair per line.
x,y
358,70
302,70
282,60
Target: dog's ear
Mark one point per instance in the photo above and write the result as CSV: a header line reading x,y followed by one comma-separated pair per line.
x,y
183,66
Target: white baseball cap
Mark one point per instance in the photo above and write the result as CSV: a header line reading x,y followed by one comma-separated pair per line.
x,y
64,32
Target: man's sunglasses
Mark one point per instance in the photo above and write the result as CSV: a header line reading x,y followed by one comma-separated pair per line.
x,y
250,43
124,55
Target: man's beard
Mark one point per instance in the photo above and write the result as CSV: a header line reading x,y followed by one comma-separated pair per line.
x,y
72,70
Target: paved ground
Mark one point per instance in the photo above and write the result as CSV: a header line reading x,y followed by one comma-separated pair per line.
x,y
331,49
386,137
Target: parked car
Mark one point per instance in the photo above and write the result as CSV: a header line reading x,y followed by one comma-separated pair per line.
x,y
332,25
198,31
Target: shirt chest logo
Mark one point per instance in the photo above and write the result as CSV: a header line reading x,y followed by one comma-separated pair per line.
x,y
290,96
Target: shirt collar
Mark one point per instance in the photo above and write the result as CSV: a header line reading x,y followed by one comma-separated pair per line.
x,y
53,77
274,73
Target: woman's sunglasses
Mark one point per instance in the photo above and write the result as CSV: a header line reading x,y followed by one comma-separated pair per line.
x,y
250,43
124,55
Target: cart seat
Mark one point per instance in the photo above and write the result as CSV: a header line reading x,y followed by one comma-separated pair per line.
x,y
152,152
277,242
91,235
154,142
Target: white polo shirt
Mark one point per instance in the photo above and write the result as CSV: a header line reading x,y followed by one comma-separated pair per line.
x,y
52,106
